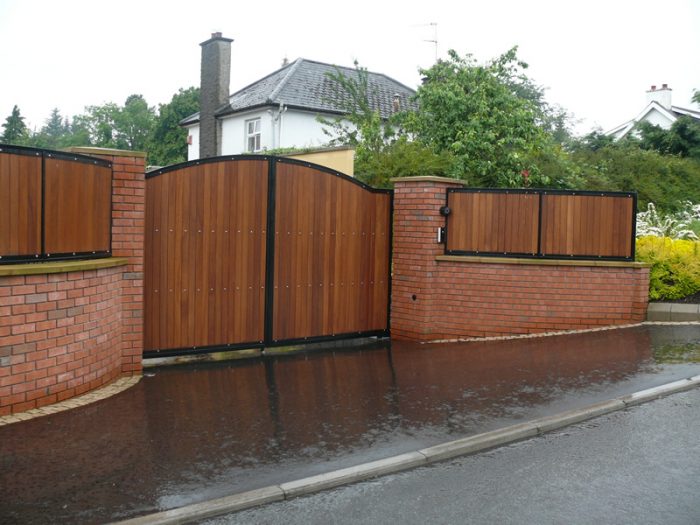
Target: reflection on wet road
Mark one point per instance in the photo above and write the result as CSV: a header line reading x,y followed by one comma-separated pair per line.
x,y
195,432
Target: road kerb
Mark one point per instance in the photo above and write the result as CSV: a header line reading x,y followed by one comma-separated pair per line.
x,y
352,474
654,393
472,444
207,509
571,417
426,456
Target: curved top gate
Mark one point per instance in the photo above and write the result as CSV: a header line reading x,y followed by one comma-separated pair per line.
x,y
249,251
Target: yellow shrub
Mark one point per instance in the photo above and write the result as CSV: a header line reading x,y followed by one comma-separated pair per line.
x,y
675,270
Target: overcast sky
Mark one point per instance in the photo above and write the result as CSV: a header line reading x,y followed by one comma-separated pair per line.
x,y
597,58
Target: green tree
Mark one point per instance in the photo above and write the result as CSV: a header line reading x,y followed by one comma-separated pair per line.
x,y
54,134
167,143
15,130
98,123
665,180
476,113
382,149
133,124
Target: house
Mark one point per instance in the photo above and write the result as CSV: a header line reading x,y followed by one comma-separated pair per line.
x,y
659,111
278,111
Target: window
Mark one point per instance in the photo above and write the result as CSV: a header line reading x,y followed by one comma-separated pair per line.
x,y
252,135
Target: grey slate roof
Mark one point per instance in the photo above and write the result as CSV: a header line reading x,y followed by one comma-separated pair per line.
x,y
304,84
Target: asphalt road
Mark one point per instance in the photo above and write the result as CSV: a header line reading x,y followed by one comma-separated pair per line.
x,y
637,466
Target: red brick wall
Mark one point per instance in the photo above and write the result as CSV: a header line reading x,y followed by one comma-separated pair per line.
x,y
438,299
64,334
61,335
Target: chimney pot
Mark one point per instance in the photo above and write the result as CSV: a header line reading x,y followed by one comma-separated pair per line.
x,y
661,96
216,35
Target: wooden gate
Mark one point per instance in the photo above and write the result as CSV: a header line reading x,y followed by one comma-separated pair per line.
x,y
251,251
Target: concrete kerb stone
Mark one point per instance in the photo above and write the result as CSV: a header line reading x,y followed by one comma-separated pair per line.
x,y
423,457
571,417
654,393
472,444
207,509
353,474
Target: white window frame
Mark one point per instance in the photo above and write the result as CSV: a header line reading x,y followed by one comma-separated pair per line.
x,y
253,135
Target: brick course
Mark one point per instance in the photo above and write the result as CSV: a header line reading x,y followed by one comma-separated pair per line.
x,y
63,334
434,299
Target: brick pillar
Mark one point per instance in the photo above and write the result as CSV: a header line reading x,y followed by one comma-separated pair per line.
x,y
128,234
417,202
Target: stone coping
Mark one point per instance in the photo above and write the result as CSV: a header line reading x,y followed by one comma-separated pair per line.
x,y
443,180
106,151
540,262
40,268
113,388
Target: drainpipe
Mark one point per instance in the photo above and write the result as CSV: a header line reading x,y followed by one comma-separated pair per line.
x,y
276,118
280,113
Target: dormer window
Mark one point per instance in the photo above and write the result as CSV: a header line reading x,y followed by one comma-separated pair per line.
x,y
252,135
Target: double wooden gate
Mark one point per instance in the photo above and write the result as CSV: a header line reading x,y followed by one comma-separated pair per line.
x,y
250,251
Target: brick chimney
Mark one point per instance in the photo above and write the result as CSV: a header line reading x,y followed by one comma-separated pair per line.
x,y
214,91
661,95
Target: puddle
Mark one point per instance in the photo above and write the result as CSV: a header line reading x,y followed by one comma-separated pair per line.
x,y
194,432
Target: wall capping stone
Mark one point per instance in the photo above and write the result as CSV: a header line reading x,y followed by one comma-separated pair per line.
x,y
442,180
540,262
89,150
61,266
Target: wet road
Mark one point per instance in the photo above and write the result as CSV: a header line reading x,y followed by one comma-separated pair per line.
x,y
637,466
190,433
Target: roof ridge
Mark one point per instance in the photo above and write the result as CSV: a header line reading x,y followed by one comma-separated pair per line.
x,y
284,81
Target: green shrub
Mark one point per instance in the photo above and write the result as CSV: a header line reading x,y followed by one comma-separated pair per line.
x,y
675,266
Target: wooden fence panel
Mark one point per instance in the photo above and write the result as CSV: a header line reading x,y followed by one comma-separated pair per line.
x,y
77,206
490,222
20,205
332,255
587,225
205,255
541,223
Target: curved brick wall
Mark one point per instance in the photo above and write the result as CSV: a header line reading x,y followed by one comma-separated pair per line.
x,y
61,336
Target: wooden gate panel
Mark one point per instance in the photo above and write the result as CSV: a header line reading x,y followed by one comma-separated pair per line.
x,y
331,259
77,206
205,255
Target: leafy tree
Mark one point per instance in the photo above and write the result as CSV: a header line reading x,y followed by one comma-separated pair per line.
x,y
361,125
167,143
15,130
476,113
133,124
98,122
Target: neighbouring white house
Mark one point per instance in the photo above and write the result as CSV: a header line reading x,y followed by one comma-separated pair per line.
x,y
659,111
278,111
